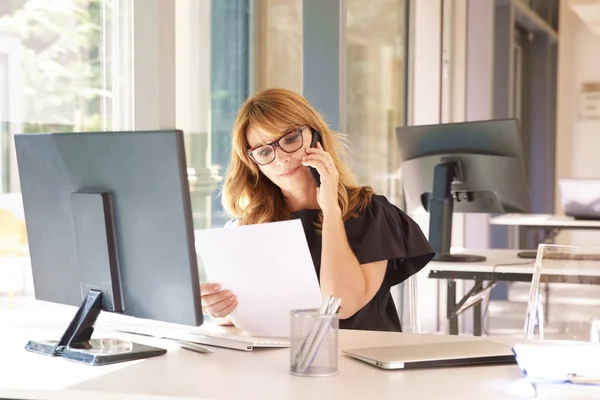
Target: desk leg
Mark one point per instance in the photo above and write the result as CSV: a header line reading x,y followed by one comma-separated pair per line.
x,y
477,315
451,307
547,302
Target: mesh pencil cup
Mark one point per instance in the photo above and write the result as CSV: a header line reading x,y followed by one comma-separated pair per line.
x,y
313,343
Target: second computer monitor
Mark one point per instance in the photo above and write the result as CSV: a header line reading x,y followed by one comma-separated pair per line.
x,y
471,167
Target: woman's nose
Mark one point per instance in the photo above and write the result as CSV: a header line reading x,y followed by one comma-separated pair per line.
x,y
282,157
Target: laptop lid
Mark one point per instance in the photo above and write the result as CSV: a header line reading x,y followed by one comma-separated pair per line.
x,y
431,355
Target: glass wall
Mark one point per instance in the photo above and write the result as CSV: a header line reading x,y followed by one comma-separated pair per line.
x,y
376,68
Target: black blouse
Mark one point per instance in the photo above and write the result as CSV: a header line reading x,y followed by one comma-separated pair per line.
x,y
381,232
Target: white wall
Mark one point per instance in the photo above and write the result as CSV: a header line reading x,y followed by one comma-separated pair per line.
x,y
578,141
154,64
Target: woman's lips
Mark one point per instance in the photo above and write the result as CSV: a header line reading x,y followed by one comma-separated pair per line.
x,y
289,172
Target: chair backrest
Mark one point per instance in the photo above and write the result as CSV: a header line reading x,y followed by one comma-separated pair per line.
x,y
564,298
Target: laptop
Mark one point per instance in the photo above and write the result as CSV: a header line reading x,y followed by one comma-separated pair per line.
x,y
580,197
435,355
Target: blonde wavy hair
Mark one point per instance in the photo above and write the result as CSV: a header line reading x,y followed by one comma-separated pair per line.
x,y
247,193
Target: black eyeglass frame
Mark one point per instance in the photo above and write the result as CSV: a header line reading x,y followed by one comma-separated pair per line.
x,y
275,144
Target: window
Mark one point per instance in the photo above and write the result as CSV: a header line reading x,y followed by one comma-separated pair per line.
x,y
376,94
62,68
243,47
67,65
277,44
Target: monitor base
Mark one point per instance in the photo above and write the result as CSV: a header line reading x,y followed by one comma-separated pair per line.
x,y
467,258
76,343
97,351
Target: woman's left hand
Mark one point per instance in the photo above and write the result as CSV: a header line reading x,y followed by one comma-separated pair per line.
x,y
327,194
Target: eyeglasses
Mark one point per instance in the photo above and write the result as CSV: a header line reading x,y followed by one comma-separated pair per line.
x,y
289,143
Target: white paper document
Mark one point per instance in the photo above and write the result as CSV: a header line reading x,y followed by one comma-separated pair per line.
x,y
556,362
267,266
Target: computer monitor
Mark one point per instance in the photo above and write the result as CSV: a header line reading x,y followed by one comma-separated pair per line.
x,y
471,167
109,226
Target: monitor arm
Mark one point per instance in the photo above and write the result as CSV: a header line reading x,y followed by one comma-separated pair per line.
x,y
441,208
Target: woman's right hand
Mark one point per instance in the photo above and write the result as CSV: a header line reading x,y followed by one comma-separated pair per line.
x,y
216,302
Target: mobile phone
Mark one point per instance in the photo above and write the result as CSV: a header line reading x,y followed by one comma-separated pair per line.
x,y
316,138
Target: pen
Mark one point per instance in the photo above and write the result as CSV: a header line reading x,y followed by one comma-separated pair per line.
x,y
311,335
332,309
194,347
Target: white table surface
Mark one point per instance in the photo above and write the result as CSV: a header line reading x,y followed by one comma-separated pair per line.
x,y
544,221
503,260
230,374
507,261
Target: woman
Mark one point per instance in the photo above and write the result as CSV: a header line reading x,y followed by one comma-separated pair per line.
x,y
361,245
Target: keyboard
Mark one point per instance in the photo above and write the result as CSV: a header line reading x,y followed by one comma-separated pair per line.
x,y
237,342
209,338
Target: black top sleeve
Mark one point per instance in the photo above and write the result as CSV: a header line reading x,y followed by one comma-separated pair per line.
x,y
384,232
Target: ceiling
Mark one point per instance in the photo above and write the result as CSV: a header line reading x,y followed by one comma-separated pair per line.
x,y
589,12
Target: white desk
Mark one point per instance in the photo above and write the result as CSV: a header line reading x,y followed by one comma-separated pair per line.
x,y
544,221
230,374
550,224
502,266
497,260
506,261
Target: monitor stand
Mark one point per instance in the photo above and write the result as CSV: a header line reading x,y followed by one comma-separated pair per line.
x,y
76,343
441,207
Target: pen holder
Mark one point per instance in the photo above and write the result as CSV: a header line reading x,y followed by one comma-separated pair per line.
x,y
313,343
